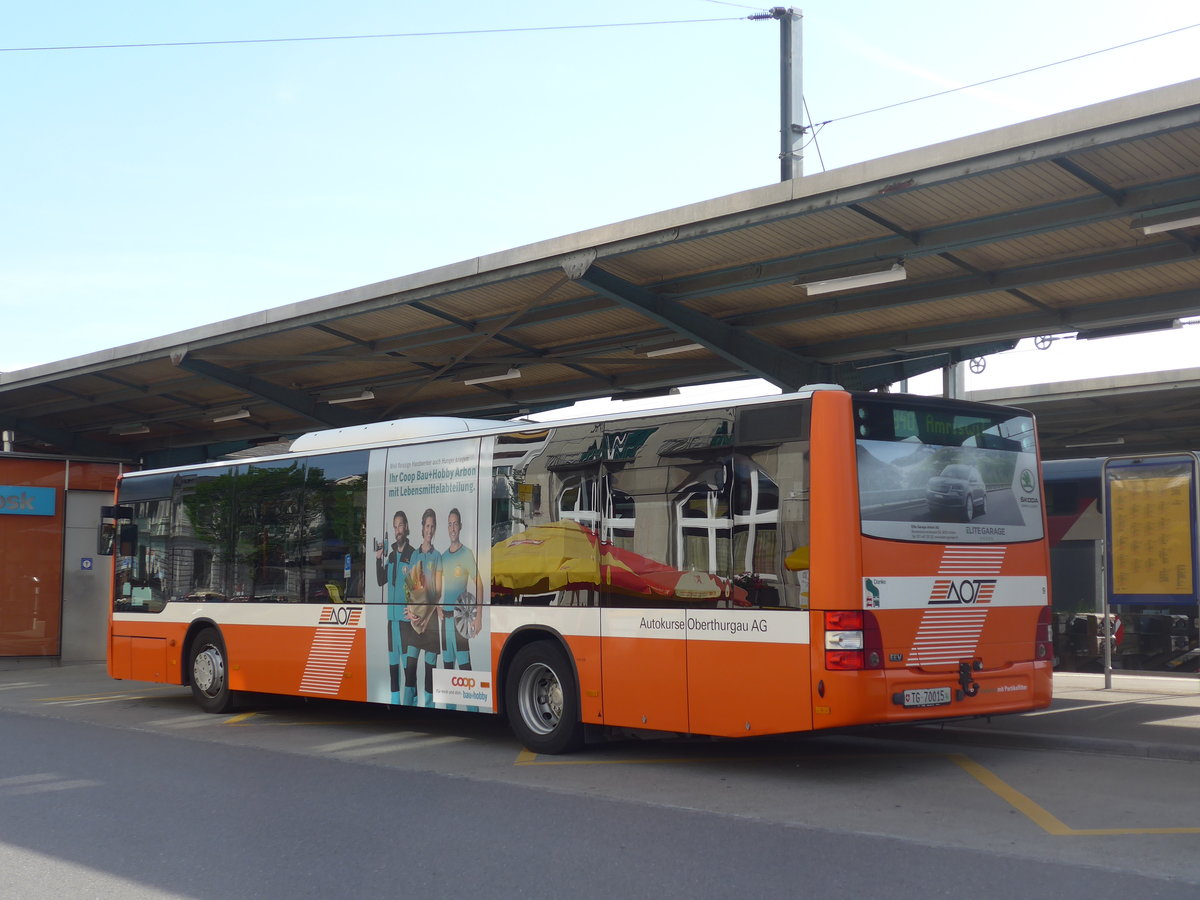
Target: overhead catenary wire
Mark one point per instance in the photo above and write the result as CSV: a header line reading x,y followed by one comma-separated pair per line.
x,y
365,37
760,15
967,87
734,5
815,129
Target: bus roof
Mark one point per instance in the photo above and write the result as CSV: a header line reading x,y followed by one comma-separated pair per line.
x,y
422,429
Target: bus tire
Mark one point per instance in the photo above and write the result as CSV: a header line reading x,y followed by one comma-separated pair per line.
x,y
542,699
208,672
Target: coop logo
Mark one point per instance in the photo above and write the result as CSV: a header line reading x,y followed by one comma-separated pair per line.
x,y
969,590
460,681
341,615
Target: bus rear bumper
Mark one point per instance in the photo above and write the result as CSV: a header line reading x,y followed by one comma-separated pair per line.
x,y
1021,687
899,696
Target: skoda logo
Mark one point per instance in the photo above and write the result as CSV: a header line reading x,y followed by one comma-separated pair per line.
x,y
1027,481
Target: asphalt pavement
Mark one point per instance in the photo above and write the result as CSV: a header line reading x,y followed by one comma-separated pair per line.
x,y
1156,716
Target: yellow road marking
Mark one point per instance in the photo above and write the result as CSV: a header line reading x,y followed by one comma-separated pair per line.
x,y
1041,817
1010,795
240,718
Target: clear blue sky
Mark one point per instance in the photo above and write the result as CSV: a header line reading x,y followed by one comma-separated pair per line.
x,y
152,189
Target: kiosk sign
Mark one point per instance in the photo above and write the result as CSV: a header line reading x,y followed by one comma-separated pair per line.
x,y
26,501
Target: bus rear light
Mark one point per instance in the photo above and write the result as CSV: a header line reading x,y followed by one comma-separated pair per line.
x,y
1044,639
852,641
843,620
844,660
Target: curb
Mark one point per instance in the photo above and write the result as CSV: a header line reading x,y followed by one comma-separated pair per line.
x,y
1028,740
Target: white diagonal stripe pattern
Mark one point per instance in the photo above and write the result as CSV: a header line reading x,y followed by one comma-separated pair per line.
x,y
947,636
327,661
972,560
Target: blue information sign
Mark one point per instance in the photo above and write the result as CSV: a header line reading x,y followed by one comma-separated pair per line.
x,y
18,500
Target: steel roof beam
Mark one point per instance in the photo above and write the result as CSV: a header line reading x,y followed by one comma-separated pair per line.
x,y
1025,324
1006,280
294,401
1093,181
63,442
860,377
950,237
756,357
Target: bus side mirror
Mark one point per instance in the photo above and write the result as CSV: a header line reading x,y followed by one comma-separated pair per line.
x,y
111,518
106,538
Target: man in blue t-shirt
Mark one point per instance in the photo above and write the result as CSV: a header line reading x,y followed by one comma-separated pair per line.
x,y
422,610
463,613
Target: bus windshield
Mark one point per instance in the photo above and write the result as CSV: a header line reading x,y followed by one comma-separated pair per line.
x,y
946,472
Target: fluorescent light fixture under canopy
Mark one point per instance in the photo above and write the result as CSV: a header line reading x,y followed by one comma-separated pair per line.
x,y
367,394
1168,218
1107,331
242,413
678,348
503,376
897,272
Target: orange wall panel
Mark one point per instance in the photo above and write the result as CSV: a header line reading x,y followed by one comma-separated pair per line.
x,y
91,476
31,566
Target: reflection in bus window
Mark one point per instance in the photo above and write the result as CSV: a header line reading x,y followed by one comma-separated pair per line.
x,y
577,501
704,524
755,519
335,521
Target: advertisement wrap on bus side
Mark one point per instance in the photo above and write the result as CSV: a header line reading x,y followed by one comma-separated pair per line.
x,y
427,640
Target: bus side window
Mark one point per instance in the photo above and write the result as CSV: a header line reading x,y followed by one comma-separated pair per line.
x,y
333,530
129,541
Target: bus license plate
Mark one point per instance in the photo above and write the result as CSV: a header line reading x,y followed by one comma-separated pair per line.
x,y
927,697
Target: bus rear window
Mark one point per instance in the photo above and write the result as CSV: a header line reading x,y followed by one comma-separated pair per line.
x,y
946,472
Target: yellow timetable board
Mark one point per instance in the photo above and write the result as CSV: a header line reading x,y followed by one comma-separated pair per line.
x,y
1151,550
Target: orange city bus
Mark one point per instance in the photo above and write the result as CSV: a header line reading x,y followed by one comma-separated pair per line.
x,y
812,560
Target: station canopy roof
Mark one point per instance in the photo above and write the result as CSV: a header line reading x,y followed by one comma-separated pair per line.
x,y
1122,415
1085,221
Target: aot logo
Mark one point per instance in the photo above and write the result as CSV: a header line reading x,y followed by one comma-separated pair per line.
x,y
460,681
341,615
969,590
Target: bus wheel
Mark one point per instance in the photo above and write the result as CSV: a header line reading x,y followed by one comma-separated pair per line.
x,y
209,668
542,700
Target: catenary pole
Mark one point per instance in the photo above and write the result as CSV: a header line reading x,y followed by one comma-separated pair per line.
x,y
791,94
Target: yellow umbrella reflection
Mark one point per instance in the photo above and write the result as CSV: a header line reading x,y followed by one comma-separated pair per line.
x,y
558,556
